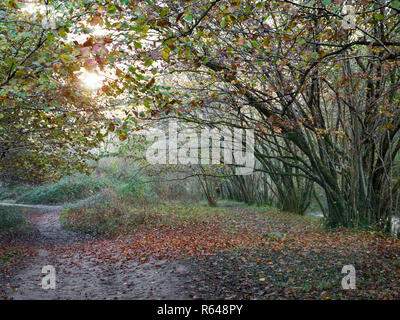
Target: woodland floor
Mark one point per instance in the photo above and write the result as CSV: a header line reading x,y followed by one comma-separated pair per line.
x,y
196,252
82,276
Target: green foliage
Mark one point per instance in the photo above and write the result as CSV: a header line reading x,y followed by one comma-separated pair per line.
x,y
11,193
12,222
135,189
48,123
68,189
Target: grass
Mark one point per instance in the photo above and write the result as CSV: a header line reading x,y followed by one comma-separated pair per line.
x,y
8,200
224,203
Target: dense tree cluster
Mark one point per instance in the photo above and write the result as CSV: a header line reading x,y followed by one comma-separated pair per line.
x,y
317,80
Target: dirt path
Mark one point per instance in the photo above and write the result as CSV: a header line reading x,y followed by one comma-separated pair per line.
x,y
80,277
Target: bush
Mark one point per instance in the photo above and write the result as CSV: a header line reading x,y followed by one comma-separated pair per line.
x,y
106,213
12,222
136,190
13,192
66,190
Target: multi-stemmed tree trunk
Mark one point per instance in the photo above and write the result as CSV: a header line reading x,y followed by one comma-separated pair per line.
x,y
250,189
293,191
326,87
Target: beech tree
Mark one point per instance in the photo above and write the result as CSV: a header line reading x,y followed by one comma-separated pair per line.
x,y
48,123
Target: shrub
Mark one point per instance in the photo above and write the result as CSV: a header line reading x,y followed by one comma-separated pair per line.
x,y
66,190
12,222
13,192
136,190
106,213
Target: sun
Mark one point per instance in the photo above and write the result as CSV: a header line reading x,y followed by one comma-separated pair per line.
x,y
91,80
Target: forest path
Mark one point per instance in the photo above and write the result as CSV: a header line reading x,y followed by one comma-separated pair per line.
x,y
78,276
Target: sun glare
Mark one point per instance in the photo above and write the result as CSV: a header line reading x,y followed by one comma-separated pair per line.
x,y
91,80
